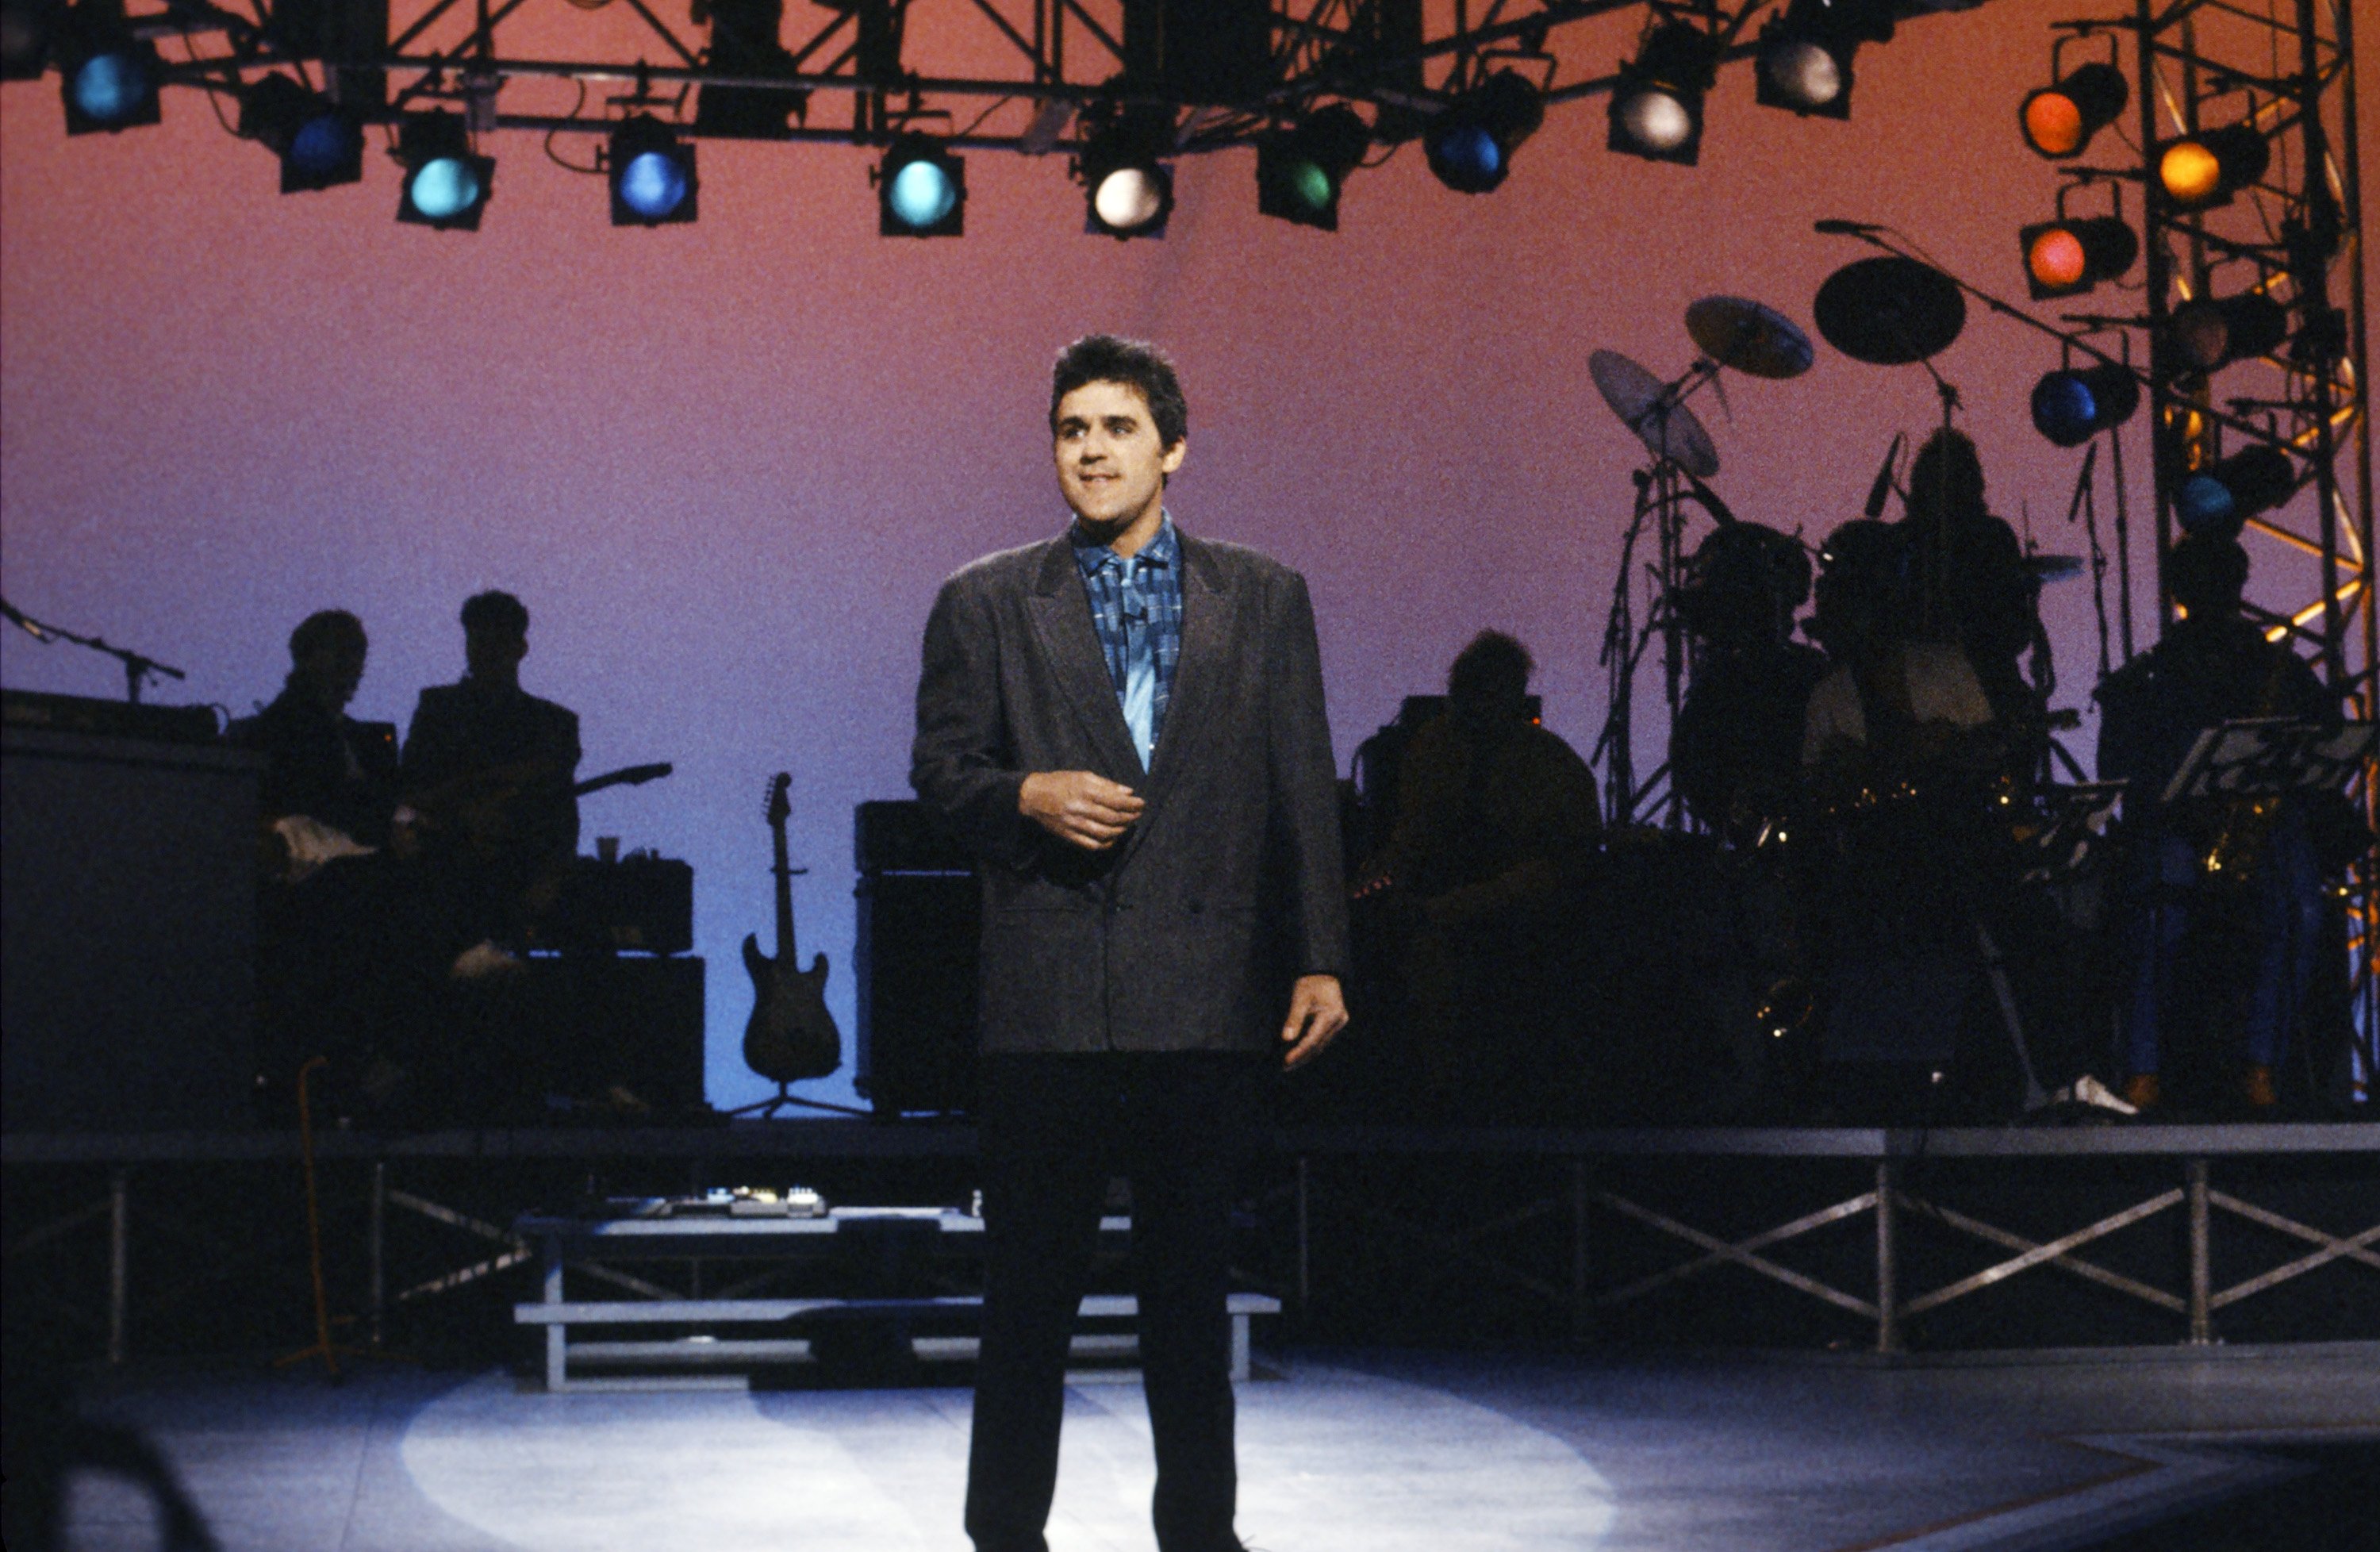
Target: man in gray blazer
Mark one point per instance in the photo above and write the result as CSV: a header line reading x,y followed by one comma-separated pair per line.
x,y
1126,723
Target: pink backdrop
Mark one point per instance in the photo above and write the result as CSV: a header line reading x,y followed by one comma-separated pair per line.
x,y
727,464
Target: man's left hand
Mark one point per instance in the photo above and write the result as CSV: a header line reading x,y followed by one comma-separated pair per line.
x,y
1318,1011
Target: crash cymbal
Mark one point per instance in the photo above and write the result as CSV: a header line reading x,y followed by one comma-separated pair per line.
x,y
1645,406
1890,310
2054,569
1735,332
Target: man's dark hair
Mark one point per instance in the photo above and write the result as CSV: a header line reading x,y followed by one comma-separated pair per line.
x,y
2205,574
1493,664
1134,363
496,612
324,629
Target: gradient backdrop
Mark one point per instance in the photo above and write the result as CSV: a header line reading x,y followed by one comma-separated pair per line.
x,y
727,465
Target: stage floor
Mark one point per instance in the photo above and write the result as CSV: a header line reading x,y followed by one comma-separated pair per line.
x,y
1339,1452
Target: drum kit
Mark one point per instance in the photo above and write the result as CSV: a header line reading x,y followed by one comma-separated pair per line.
x,y
1888,311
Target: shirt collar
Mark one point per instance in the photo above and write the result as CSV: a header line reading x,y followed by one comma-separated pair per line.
x,y
1162,550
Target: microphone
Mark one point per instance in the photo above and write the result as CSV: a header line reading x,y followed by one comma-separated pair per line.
x,y
1835,228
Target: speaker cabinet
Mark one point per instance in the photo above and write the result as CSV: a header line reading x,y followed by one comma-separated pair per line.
x,y
915,962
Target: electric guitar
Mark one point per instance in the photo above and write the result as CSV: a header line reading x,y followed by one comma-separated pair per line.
x,y
790,1035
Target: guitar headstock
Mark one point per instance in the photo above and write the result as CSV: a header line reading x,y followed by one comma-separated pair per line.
x,y
779,808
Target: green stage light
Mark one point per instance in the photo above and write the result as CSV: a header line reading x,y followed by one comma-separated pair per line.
x,y
1301,172
921,190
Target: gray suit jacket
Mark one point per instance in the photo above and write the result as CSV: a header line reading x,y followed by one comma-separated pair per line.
x,y
1184,934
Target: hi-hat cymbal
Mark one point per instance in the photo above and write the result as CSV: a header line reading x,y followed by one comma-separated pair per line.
x,y
1890,310
1643,404
1739,332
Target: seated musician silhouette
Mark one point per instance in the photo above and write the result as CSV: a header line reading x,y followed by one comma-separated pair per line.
x,y
486,780
1968,583
2213,666
1497,823
321,765
1735,754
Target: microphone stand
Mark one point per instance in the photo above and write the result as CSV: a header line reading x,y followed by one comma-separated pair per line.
x,y
138,669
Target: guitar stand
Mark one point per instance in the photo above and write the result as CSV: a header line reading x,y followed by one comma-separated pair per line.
x,y
765,1109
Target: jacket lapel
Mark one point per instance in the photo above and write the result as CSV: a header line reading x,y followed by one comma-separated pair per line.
x,y
1209,624
1062,619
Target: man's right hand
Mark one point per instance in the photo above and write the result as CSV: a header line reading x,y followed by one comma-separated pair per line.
x,y
1079,807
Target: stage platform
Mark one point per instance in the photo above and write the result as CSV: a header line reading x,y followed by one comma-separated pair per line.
x,y
1339,1452
1886,1239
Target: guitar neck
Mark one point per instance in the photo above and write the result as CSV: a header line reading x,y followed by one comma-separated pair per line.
x,y
785,872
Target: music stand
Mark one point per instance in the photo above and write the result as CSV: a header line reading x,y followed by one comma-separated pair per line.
x,y
2272,756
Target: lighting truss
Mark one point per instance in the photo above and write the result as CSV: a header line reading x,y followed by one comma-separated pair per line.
x,y
2293,234
847,62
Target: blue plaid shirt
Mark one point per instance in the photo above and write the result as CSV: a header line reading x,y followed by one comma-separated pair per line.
x,y
1136,611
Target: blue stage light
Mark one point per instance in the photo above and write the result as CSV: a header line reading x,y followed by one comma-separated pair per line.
x,y
1469,146
653,180
444,189
652,185
2073,406
1466,157
325,143
109,87
921,195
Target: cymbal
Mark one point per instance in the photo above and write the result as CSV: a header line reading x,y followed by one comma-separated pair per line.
x,y
2054,569
1890,310
1641,400
1735,332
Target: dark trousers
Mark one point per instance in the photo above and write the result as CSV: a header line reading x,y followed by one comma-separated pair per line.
x,y
1054,1128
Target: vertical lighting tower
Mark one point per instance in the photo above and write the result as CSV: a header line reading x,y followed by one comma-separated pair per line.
x,y
2250,160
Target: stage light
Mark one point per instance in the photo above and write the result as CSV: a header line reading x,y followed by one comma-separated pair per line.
x,y
26,29
1804,63
1300,173
2066,258
1128,190
2209,332
445,186
107,77
921,190
2205,170
2219,500
2074,404
320,145
2059,121
1470,145
1656,110
652,174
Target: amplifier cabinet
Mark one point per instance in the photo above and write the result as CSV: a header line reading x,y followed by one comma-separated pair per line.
x,y
591,1024
127,927
914,961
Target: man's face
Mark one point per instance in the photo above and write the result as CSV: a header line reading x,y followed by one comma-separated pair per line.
x,y
332,671
1111,465
490,654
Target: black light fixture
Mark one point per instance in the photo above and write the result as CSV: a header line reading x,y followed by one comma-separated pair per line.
x,y
1803,61
2203,171
2074,404
1657,109
1469,145
446,187
27,27
107,77
2068,256
320,145
1127,187
651,173
2222,499
2208,332
1301,171
2060,120
921,190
